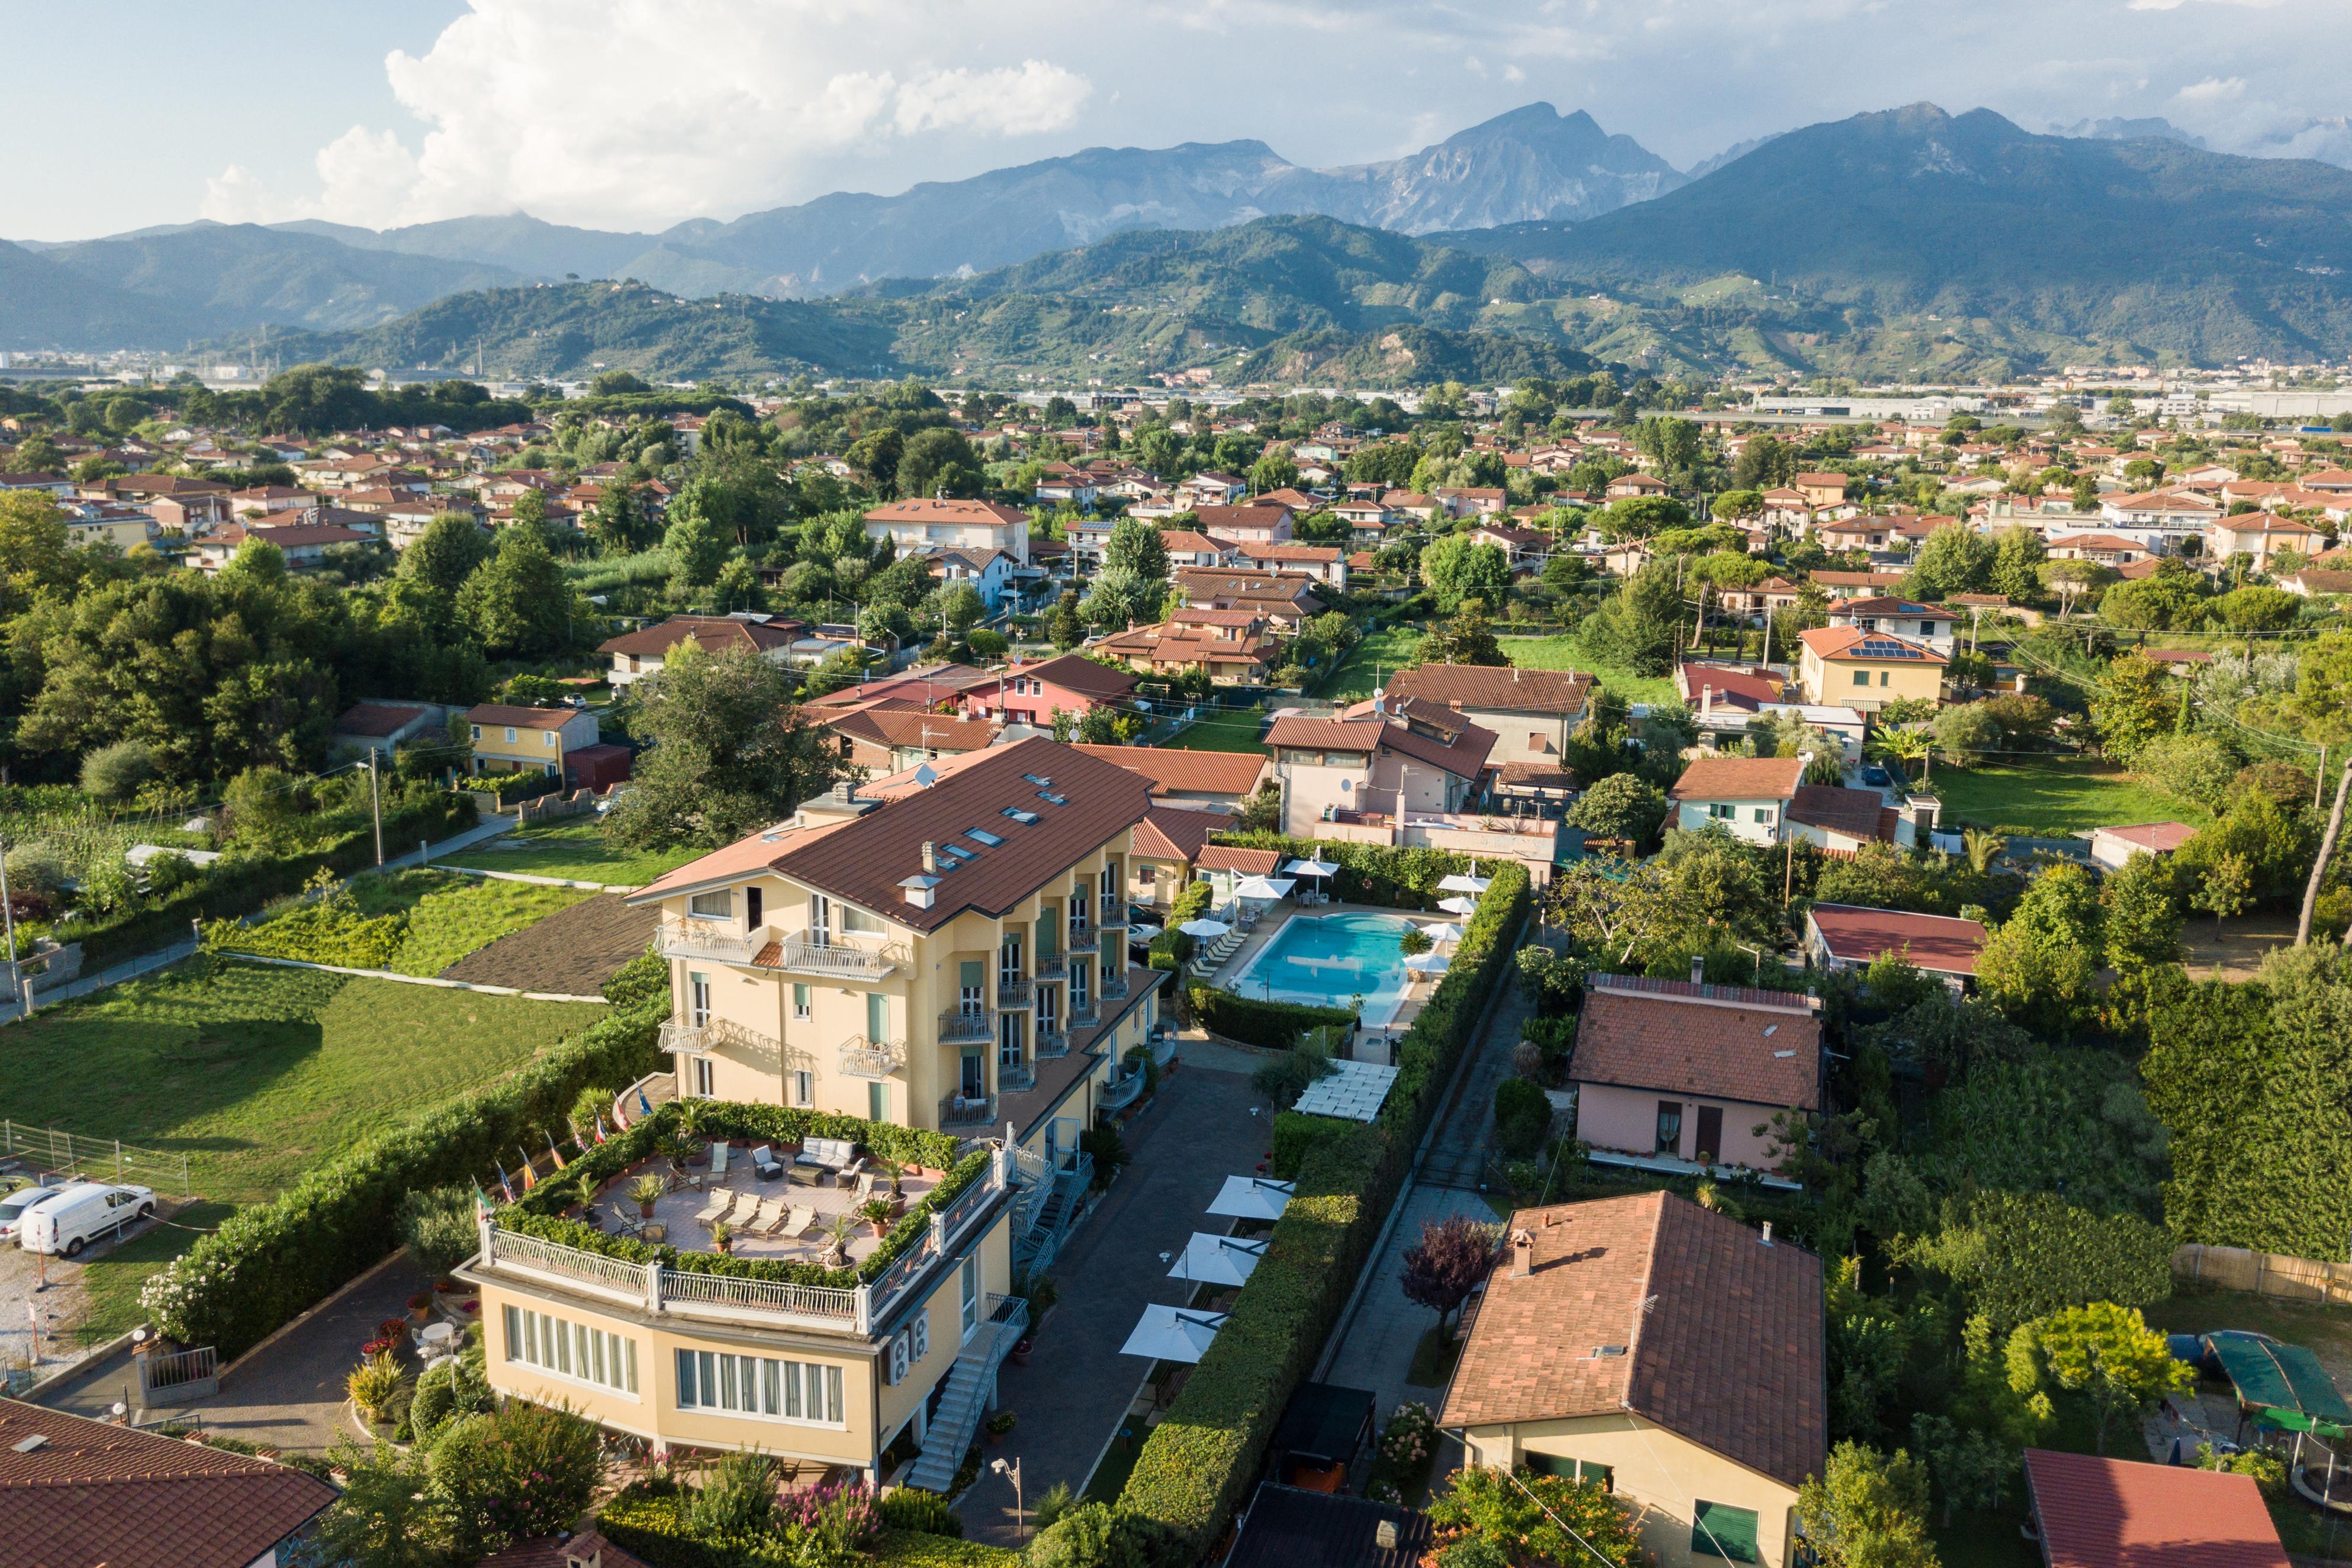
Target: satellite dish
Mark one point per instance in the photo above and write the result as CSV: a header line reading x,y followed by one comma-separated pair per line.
x,y
925,776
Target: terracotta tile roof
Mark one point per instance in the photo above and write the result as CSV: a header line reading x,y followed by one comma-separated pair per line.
x,y
1851,642
559,1552
1082,675
1731,684
1178,772
711,632
913,727
1854,933
378,719
1249,862
2124,1513
1464,757
1738,778
1909,610
925,510
1857,579
1760,1048
1711,1332
93,1494
1505,690
1857,814
1536,776
2156,838
520,718
1169,833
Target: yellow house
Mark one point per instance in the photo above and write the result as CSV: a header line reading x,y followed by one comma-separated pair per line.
x,y
1846,666
1670,1353
509,739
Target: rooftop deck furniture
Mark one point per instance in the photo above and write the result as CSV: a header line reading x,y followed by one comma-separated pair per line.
x,y
768,1217
718,1208
829,1153
719,1152
764,1162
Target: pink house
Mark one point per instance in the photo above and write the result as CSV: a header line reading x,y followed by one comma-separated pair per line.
x,y
1030,693
1678,1071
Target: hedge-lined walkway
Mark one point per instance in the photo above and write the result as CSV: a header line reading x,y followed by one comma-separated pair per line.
x,y
1076,1387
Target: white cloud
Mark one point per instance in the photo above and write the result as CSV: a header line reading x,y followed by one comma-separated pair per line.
x,y
2213,90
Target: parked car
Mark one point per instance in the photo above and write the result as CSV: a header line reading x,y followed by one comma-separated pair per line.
x,y
70,1220
13,1206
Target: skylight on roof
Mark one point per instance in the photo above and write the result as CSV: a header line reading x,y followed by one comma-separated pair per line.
x,y
982,836
960,853
1018,815
1049,795
1041,783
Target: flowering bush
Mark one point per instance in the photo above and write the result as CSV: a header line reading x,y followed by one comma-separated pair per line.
x,y
520,1472
1514,1514
1407,1445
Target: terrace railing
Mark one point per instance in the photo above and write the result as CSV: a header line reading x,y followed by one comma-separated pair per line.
x,y
1014,993
967,1111
708,936
957,1026
1114,911
1053,966
1051,1044
839,960
697,1038
863,1058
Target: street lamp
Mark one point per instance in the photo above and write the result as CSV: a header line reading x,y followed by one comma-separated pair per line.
x,y
1011,1472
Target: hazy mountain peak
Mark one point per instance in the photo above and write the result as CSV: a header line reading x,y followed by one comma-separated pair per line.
x,y
2152,127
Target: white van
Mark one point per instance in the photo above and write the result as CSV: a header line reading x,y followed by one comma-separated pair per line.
x,y
81,1215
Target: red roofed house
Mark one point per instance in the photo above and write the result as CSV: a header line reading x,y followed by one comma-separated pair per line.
x,y
1849,936
1749,794
913,525
640,653
1384,769
887,735
1849,667
2095,1512
1211,783
1839,819
304,545
1689,1072
1033,694
1672,1354
2111,847
1261,525
1167,843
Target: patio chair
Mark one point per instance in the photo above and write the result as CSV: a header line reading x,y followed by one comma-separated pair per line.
x,y
717,1208
865,1189
800,1222
764,1162
627,1224
719,1152
771,1215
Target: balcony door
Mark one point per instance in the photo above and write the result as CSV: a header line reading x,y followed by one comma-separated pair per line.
x,y
969,999
1080,973
820,925
698,999
968,1286
877,1017
973,1085
1008,961
1049,1009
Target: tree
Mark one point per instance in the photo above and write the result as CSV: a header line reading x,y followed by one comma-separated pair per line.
x,y
2071,580
1525,1519
876,454
2142,915
1450,1261
517,603
1734,505
2135,703
1867,1509
2227,889
1064,625
939,462
2041,965
1672,444
2249,609
620,522
1640,625
115,773
1467,639
2017,562
1622,806
1134,546
519,1471
2017,1257
1458,567
385,1517
698,546
728,752
1274,471
1965,730
1956,558
1640,517
2108,1353
1907,743
447,552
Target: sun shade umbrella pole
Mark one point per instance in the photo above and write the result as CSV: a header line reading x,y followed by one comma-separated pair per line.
x,y
2319,866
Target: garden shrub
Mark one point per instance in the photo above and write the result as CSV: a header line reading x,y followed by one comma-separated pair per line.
x,y
915,1549
1522,1117
1297,1136
271,1260
913,1508
638,979
1276,1026
648,1520
1369,874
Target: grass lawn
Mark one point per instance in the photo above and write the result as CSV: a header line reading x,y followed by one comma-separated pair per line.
x,y
1221,732
113,1279
256,1073
2053,800
451,915
1370,662
1561,653
575,850
1118,1463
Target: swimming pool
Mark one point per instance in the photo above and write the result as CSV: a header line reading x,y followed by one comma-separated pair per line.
x,y
1328,960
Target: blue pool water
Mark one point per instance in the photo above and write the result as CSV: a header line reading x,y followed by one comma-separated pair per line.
x,y
1328,960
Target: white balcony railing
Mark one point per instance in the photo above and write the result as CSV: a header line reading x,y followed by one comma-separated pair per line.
x,y
963,1026
698,1038
839,959
708,936
863,1058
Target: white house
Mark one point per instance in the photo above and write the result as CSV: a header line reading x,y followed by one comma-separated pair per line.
x,y
1749,794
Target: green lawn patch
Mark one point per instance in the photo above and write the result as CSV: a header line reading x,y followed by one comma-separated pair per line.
x,y
416,922
446,926
1221,732
2053,800
574,851
1370,662
1433,1358
257,1072
113,1279
1117,1462
1562,654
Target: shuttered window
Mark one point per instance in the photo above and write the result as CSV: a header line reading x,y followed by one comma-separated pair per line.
x,y
1718,1530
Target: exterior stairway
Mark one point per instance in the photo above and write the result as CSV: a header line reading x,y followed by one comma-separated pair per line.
x,y
970,1385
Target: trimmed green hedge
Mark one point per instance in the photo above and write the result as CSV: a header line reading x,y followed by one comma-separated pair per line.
x,y
1200,1462
913,1549
1369,874
272,1260
647,1520
1273,1025
1297,1136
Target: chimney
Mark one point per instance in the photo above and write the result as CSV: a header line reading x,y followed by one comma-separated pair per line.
x,y
1523,1253
930,858
1698,968
1384,1535
1766,1237
1706,700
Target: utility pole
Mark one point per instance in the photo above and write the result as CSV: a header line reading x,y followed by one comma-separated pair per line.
x,y
375,804
8,916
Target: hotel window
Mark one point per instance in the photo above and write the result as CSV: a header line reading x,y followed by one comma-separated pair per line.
x,y
571,1349
805,1391
858,920
804,1088
718,905
800,1000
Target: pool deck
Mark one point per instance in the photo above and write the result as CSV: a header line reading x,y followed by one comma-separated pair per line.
x,y
1373,1044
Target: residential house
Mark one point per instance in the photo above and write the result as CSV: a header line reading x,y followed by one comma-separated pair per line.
x,y
304,545
1520,545
640,653
1230,646
1089,539
1531,713
1369,518
1820,490
888,736
2165,520
89,523
1299,503
1749,796
1633,487
1857,584
2311,584
1683,1071
1866,670
1224,868
76,1492
1246,525
1850,937
2090,1511
1668,1352
2261,536
1189,547
54,484
1214,783
1325,563
1168,842
1484,501
1384,767
1863,533
939,523
379,724
1923,623
990,571
2103,549
511,739
1845,820
263,499
1059,482
1033,693
1205,490
1287,600
2111,847
1401,504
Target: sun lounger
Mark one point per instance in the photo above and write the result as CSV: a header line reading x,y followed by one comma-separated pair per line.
x,y
800,1222
770,1214
718,1152
717,1208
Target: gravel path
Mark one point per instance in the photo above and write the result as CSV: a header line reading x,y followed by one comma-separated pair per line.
x,y
575,950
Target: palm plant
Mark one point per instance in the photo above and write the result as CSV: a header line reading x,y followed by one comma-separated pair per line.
x,y
647,1191
1981,847
1909,743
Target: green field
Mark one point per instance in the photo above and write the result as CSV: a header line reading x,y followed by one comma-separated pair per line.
x,y
1221,732
1371,661
258,1072
2053,800
574,851
1561,653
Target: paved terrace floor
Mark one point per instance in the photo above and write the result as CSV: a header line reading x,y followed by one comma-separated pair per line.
x,y
784,1216
1076,1388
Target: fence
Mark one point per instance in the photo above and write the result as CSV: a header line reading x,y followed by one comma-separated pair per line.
x,y
49,995
178,1378
110,1159
2264,1273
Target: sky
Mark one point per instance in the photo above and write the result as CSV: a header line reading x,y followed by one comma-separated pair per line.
x,y
638,114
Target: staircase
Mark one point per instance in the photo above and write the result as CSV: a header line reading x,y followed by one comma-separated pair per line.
x,y
956,1423
1049,1200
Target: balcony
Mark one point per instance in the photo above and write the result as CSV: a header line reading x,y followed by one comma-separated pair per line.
x,y
713,1035
960,1111
1086,1014
863,1058
1052,967
710,937
1017,1080
1015,993
1052,1044
1114,985
837,960
959,1027
1114,912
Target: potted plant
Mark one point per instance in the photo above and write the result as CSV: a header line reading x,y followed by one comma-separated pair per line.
x,y
644,1192
878,1212
1000,1423
394,1331
837,1236
1021,1349
420,1306
722,1236
895,1172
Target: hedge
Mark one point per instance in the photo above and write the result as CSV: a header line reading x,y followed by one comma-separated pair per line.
x,y
234,888
1273,1025
1297,1134
1200,1462
270,1261
913,1549
1369,874
647,1520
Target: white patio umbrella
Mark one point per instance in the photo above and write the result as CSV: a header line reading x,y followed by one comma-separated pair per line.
x,y
1458,906
1444,931
1265,887
1310,868
1428,963
1251,1197
1457,882
1173,1334
1213,1260
1206,928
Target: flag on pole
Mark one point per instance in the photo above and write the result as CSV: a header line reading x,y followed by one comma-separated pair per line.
x,y
483,1208
529,1178
504,1186
618,1120
552,1150
600,1127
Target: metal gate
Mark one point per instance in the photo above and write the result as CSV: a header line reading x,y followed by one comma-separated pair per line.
x,y
179,1378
